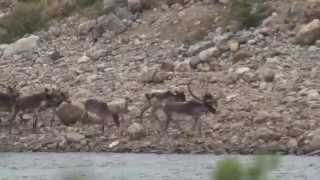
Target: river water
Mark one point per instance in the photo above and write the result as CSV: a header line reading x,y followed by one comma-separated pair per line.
x,y
108,166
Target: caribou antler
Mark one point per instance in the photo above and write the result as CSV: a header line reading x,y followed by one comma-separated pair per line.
x,y
191,93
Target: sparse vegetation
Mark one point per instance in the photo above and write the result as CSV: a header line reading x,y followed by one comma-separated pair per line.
x,y
232,169
26,17
249,13
31,15
86,3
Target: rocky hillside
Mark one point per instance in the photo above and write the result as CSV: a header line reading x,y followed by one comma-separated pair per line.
x,y
267,77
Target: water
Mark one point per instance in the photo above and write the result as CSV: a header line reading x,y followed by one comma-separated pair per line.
x,y
100,166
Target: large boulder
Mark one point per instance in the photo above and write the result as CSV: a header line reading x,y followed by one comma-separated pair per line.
x,y
309,33
136,131
69,114
28,44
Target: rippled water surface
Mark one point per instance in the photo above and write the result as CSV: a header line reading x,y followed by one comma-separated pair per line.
x,y
50,166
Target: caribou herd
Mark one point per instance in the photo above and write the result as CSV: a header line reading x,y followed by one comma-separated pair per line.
x,y
173,105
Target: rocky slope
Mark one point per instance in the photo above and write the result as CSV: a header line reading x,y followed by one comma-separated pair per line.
x,y
268,84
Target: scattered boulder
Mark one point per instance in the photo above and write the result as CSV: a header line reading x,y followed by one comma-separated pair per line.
x,y
69,114
28,44
109,6
309,33
86,27
135,5
183,66
234,45
239,56
155,75
136,131
167,66
198,47
83,59
208,53
147,75
314,143
112,23
97,52
74,137
268,75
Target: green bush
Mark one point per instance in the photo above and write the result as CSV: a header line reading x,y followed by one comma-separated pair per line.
x,y
232,169
249,13
86,3
26,17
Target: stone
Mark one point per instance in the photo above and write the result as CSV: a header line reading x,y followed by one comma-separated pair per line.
x,y
109,6
112,23
242,70
314,143
266,134
268,75
86,27
135,5
224,1
28,44
211,52
309,33
74,137
167,66
183,66
69,114
147,75
234,45
122,13
83,59
196,48
114,144
136,131
194,61
313,94
161,76
97,52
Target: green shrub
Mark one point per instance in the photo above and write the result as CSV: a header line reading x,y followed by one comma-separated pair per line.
x,y
26,17
249,13
232,169
86,3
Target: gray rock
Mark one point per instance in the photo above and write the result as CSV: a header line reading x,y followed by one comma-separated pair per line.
x,y
242,70
268,75
196,48
136,131
266,134
211,52
194,61
309,33
122,12
314,143
167,66
74,137
28,44
112,23
109,6
183,66
83,59
97,52
147,75
86,27
234,45
69,114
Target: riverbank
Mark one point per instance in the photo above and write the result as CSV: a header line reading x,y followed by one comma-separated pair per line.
x,y
267,83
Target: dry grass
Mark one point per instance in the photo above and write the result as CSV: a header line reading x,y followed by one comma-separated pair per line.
x,y
25,18
29,16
